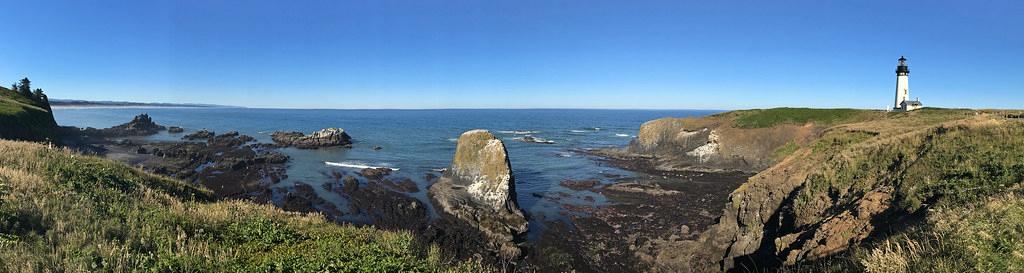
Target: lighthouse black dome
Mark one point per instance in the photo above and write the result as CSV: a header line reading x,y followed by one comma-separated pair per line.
x,y
902,68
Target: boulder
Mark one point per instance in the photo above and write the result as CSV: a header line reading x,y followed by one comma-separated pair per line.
x,y
328,137
175,129
141,125
479,189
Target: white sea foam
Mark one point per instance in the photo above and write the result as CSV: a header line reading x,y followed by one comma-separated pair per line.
x,y
586,130
532,139
356,165
622,135
519,132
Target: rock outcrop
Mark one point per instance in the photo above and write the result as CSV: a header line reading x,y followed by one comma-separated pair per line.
x,y
479,189
201,134
229,139
141,125
328,137
714,143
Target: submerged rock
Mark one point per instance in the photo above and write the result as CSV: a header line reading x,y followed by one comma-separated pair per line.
x,y
579,185
532,139
375,173
141,125
479,189
175,129
328,137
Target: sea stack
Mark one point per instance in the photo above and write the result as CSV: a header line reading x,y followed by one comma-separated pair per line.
x,y
479,189
141,125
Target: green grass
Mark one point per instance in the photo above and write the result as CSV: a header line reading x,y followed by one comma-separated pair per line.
x,y
785,150
761,118
954,165
64,212
23,118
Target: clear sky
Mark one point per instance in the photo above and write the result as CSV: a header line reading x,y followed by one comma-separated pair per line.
x,y
518,54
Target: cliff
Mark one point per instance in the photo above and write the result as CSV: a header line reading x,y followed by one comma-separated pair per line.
x,y
748,141
832,182
24,119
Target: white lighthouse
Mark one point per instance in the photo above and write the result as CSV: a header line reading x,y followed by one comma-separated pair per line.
x,y
903,102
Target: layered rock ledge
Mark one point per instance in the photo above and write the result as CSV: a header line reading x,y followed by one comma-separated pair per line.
x,y
479,189
328,137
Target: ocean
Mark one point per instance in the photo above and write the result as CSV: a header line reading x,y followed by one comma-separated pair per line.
x,y
421,141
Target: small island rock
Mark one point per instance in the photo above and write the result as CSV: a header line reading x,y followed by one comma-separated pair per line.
x,y
141,125
328,137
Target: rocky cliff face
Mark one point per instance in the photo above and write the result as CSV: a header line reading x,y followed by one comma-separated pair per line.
x,y
849,182
714,143
479,189
328,137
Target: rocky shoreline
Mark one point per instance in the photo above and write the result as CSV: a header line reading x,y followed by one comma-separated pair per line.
x,y
474,198
645,213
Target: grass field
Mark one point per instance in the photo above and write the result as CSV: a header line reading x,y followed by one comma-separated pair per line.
x,y
761,118
64,212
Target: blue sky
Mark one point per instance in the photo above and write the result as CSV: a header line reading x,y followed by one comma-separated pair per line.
x,y
518,54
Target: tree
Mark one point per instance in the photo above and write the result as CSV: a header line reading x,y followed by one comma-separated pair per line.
x,y
38,95
25,88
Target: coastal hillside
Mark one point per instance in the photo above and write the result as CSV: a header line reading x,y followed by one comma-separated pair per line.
x,y
24,118
65,212
747,140
852,190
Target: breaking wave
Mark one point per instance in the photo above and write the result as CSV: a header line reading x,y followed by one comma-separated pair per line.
x,y
356,165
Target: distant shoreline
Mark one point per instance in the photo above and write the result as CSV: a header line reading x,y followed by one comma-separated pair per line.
x,y
97,106
72,104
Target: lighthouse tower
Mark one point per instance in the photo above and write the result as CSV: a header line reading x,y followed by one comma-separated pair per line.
x,y
903,102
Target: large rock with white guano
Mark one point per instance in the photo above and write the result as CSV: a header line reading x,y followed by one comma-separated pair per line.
x,y
479,190
324,138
